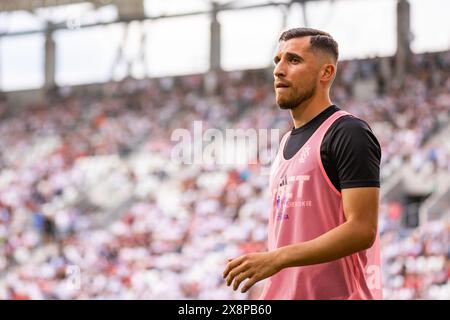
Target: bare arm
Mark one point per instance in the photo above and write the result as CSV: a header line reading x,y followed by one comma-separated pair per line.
x,y
358,233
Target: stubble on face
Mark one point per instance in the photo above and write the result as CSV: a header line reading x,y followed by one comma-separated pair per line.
x,y
295,96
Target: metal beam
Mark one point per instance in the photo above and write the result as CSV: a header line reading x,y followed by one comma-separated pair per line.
x,y
31,5
50,58
226,7
214,51
402,56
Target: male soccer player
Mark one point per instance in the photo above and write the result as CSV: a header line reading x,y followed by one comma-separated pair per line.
x,y
323,240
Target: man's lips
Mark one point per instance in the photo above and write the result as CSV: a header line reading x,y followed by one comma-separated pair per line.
x,y
281,85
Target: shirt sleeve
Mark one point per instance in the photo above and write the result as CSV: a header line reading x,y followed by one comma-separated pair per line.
x,y
355,152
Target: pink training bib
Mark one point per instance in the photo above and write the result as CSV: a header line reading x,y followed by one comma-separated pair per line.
x,y
305,205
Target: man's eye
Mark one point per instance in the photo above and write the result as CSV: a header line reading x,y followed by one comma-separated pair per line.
x,y
295,60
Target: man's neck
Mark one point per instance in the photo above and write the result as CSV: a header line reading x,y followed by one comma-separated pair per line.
x,y
309,109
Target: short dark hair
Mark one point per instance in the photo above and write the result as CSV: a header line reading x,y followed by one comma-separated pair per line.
x,y
320,40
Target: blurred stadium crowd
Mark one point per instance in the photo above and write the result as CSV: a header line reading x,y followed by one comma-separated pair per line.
x,y
87,184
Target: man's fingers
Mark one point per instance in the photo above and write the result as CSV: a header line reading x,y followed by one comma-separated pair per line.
x,y
241,277
236,271
232,263
250,282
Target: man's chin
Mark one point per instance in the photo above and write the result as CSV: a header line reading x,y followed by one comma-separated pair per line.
x,y
284,105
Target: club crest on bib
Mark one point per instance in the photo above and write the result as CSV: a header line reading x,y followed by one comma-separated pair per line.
x,y
304,153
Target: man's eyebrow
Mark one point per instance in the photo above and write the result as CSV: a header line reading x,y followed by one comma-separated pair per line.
x,y
289,55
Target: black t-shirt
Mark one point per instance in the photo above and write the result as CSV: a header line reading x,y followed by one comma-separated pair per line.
x,y
350,151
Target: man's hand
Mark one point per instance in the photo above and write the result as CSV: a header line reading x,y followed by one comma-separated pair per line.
x,y
254,266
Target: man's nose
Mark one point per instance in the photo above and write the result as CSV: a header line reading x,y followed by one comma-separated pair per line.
x,y
280,70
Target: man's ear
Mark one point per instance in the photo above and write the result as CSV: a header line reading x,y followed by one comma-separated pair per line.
x,y
328,72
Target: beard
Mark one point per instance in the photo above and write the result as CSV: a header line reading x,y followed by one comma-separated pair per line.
x,y
296,98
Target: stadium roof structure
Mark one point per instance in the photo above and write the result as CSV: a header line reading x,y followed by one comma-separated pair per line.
x,y
136,10
131,10
31,5
141,10
130,5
